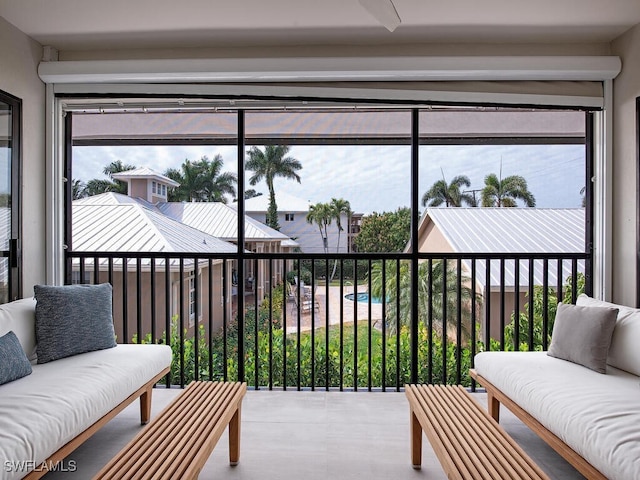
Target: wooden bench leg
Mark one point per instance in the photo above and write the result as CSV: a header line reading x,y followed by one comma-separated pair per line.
x,y
493,407
234,438
145,406
416,442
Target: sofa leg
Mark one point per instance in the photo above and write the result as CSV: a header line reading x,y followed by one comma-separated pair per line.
x,y
145,406
493,407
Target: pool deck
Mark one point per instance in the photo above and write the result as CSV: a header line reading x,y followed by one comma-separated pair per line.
x,y
332,315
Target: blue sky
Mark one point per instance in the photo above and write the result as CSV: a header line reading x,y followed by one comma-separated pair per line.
x,y
377,178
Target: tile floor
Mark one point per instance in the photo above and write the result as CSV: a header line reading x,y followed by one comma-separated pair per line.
x,y
312,436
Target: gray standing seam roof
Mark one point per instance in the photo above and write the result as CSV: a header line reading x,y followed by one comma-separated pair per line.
x,y
514,231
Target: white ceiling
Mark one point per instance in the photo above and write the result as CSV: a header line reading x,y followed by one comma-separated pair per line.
x,y
115,24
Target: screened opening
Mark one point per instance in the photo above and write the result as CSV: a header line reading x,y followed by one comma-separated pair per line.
x,y
364,239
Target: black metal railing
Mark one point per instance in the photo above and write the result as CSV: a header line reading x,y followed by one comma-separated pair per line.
x,y
348,321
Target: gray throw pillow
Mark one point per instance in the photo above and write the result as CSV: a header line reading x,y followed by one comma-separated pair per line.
x,y
583,335
14,363
73,319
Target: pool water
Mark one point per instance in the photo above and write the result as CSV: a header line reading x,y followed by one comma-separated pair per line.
x,y
363,297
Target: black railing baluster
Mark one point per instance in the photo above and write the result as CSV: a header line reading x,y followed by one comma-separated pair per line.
x,y
125,301
96,270
152,302
444,320
531,293
196,318
284,328
369,340
459,321
181,322
399,381
167,308
313,325
487,305
138,300
384,325
545,303
82,270
574,280
271,302
559,280
210,309
256,313
341,354
516,305
503,312
430,321
327,325
227,304
474,318
298,325
355,325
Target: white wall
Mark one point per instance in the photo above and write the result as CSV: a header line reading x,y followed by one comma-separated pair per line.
x,y
626,88
19,58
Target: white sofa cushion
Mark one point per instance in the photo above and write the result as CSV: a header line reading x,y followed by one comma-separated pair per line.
x,y
19,316
598,416
59,400
624,351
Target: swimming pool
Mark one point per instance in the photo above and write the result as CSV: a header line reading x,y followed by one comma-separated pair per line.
x,y
363,297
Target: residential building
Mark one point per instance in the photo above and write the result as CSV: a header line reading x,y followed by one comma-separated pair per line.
x,y
292,219
511,233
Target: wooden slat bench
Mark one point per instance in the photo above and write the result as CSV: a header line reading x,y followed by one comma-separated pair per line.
x,y
467,441
177,443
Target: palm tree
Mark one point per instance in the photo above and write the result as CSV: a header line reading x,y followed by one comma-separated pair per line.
x,y
339,207
78,189
426,276
202,181
449,193
267,165
97,186
504,192
218,184
321,214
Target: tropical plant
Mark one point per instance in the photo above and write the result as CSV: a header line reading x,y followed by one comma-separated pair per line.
x,y
97,186
78,189
267,165
449,194
321,214
384,232
202,181
437,296
339,207
504,192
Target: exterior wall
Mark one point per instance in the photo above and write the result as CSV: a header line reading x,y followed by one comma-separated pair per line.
x,y
431,239
19,58
626,87
138,189
206,301
495,314
307,234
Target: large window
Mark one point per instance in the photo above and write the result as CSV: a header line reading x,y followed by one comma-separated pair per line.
x,y
10,131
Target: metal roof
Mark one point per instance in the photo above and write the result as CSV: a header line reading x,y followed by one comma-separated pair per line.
x,y
219,220
144,172
285,201
512,231
113,222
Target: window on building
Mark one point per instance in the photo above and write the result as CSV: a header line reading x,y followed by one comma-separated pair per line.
x,y
164,190
153,187
288,217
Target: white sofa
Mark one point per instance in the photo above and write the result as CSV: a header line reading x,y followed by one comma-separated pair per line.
x,y
575,409
47,414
